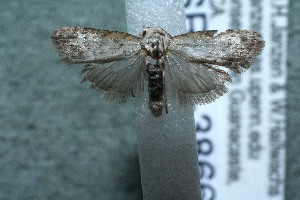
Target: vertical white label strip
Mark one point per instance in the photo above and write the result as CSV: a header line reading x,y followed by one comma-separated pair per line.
x,y
241,136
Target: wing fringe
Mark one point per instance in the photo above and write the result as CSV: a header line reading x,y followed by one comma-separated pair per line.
x,y
195,83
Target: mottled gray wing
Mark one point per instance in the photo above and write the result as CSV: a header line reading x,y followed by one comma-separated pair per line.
x,y
194,83
117,80
234,49
87,45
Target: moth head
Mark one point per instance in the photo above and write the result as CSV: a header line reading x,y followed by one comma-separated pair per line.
x,y
155,41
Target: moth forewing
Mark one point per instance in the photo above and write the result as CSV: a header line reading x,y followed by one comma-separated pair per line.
x,y
234,49
87,45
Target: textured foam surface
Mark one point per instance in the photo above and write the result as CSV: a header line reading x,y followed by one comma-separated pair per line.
x,y
168,14
167,145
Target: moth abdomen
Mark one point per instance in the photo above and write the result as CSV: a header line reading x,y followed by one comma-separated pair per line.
x,y
156,88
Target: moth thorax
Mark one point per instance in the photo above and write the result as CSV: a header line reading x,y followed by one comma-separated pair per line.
x,y
155,41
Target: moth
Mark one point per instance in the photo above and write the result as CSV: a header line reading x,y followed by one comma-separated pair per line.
x,y
187,67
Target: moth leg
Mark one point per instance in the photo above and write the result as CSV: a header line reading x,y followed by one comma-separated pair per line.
x,y
164,88
166,106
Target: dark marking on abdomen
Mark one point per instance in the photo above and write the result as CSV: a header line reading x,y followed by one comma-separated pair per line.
x,y
156,89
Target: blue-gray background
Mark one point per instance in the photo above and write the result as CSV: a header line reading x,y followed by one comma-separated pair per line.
x,y
59,140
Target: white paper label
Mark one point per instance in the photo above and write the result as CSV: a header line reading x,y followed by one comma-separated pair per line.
x,y
241,135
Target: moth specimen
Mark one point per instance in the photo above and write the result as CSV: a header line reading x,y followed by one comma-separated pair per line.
x,y
186,67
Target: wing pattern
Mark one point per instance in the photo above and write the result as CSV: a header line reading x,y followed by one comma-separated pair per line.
x,y
87,45
195,61
234,49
